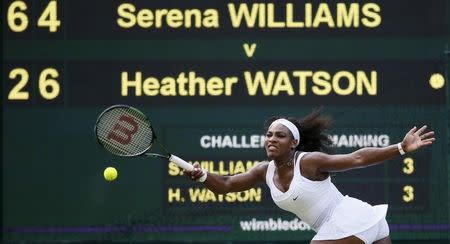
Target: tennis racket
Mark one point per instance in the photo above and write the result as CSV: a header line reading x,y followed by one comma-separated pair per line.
x,y
125,131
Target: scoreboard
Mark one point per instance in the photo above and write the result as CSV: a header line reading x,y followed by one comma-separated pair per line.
x,y
208,74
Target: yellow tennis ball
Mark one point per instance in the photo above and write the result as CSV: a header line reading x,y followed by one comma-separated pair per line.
x,y
110,174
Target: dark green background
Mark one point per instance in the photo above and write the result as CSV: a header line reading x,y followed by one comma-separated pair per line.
x,y
53,188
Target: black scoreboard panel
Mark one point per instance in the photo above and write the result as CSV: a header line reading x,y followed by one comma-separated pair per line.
x,y
208,73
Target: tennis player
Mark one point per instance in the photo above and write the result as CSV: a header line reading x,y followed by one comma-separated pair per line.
x,y
298,176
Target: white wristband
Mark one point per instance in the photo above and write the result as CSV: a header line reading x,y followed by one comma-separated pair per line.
x,y
204,176
400,148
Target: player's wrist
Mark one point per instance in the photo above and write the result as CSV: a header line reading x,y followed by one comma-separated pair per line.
x,y
204,176
400,148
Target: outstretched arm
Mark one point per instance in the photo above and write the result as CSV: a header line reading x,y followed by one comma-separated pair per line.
x,y
368,156
234,183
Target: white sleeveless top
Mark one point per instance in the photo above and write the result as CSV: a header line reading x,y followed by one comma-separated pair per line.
x,y
322,206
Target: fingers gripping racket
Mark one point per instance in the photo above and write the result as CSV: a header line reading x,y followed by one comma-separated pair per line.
x,y
125,131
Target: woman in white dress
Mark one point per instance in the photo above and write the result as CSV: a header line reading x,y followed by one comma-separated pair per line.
x,y
298,176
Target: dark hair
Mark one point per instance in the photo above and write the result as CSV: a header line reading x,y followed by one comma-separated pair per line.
x,y
312,129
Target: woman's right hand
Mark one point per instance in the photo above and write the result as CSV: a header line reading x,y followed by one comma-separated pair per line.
x,y
196,173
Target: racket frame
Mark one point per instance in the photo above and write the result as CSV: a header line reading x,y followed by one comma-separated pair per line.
x,y
143,152
177,160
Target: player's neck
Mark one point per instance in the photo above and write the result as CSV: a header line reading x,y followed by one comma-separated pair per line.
x,y
286,162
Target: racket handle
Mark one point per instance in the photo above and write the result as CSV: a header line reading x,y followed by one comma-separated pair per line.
x,y
181,163
187,166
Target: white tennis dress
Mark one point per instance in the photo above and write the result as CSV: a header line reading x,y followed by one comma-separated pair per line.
x,y
321,205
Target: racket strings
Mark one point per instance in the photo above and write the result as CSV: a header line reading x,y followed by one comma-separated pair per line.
x,y
131,147
124,131
114,145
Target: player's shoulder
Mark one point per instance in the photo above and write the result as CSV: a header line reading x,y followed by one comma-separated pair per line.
x,y
314,158
261,167
263,164
314,155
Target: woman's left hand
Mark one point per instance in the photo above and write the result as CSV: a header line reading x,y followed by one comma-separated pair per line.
x,y
416,139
